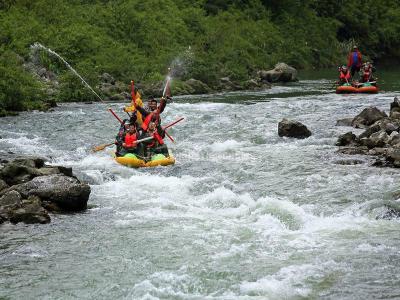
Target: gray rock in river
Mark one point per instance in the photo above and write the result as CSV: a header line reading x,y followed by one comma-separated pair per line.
x,y
281,73
344,122
293,129
30,212
68,193
346,139
368,117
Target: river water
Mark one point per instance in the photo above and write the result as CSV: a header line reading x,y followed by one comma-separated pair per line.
x,y
243,214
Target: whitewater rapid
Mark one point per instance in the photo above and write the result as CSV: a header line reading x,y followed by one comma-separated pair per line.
x,y
243,214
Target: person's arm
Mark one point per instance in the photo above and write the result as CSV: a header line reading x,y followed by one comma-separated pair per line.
x,y
349,60
142,111
163,103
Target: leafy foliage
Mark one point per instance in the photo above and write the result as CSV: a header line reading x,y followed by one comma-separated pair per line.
x,y
136,39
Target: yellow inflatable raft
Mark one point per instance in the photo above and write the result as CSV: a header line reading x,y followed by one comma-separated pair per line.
x,y
130,160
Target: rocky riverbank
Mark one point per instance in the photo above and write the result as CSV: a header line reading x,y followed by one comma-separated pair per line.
x,y
111,89
380,138
30,190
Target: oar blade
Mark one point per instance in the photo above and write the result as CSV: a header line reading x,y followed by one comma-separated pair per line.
x,y
101,147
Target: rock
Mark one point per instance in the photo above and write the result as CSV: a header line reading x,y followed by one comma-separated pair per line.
x,y
281,73
394,138
379,139
393,156
344,122
107,78
67,192
227,84
378,151
353,150
395,115
252,84
3,185
390,127
368,117
24,169
11,198
349,162
294,129
370,130
346,139
197,86
14,173
395,105
30,161
31,212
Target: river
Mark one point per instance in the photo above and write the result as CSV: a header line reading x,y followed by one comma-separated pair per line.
x,y
243,214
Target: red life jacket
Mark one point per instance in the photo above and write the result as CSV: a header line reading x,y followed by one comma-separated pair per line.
x,y
157,138
345,76
149,118
130,139
366,76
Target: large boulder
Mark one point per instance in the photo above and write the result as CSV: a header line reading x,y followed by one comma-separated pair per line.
x,y
227,84
68,193
395,108
292,128
22,170
346,139
368,117
197,86
11,198
344,122
3,185
281,73
31,212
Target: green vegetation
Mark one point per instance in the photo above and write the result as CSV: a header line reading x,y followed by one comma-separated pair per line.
x,y
136,39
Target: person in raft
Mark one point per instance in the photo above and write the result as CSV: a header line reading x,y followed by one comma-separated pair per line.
x,y
344,75
366,73
126,140
154,114
354,61
156,145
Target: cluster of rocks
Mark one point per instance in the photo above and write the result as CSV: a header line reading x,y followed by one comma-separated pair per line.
x,y
294,129
380,137
29,190
263,79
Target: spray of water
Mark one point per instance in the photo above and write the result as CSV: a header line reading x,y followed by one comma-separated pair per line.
x,y
37,46
179,67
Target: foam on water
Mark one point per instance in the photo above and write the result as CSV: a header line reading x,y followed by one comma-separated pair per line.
x,y
244,213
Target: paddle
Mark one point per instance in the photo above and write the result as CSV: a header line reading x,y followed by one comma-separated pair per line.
x,y
361,83
167,93
102,147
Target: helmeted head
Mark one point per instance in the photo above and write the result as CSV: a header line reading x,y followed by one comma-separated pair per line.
x,y
355,48
344,68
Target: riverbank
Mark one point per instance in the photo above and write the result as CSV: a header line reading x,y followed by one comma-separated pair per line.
x,y
114,90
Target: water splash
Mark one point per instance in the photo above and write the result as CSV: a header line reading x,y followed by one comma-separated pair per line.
x,y
37,46
180,66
